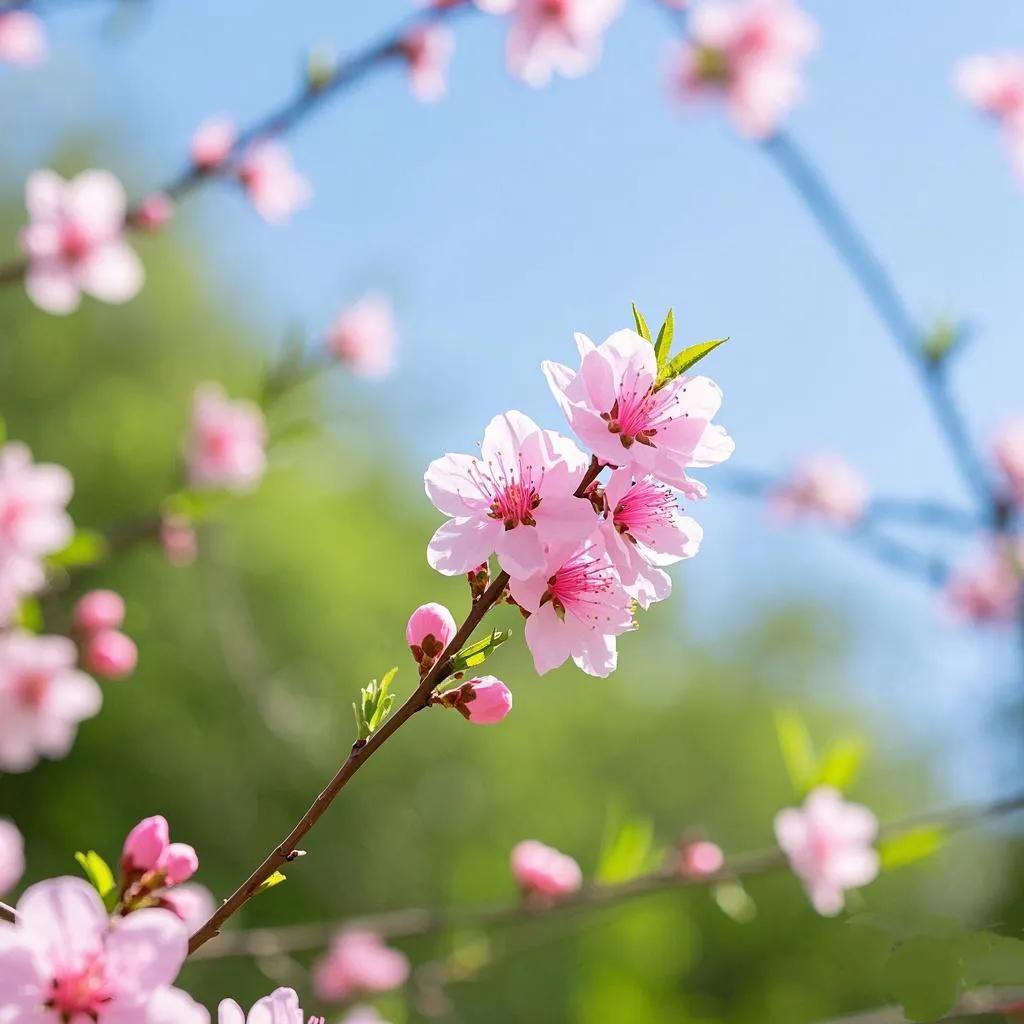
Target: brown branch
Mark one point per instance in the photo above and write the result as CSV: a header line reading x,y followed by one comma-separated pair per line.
x,y
362,751
8,913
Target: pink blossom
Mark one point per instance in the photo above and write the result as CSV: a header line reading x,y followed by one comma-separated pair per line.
x,y
826,486
178,540
700,859
275,188
363,1015
554,36
365,336
22,39
227,443
64,960
483,700
428,51
213,142
153,212
43,697
994,83
358,961
513,500
644,530
145,844
616,408
280,1007
75,243
19,577
110,654
750,53
430,630
829,845
545,871
1008,451
12,856
98,610
33,504
191,902
178,862
988,588
577,607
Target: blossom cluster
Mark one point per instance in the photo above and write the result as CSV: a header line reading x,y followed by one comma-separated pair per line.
x,y
994,84
579,553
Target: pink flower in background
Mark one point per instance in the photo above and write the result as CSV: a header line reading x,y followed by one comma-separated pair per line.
x,y
994,83
700,859
750,53
513,500
577,607
22,39
213,142
74,241
987,589
275,188
826,486
148,848
430,630
98,610
280,1007
43,697
365,337
545,871
1008,452
428,51
362,1015
110,654
153,212
178,540
358,961
227,443
192,903
483,700
63,960
615,408
829,845
644,530
554,36
12,856
20,576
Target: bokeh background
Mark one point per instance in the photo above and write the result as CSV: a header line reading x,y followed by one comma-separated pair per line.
x,y
500,221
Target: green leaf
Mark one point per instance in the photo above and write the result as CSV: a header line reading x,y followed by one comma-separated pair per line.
x,y
268,883
923,974
100,876
990,959
3,430
663,346
841,763
734,901
797,749
909,847
375,705
87,547
941,340
478,653
641,324
30,615
687,358
626,849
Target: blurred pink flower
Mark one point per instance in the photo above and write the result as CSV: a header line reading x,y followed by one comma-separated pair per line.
x,y
191,902
365,336
430,630
98,610
22,39
750,53
577,607
358,962
178,540
226,447
12,856
43,697
110,654
829,845
615,407
642,531
280,1007
213,142
545,871
64,960
826,486
362,1015
153,212
513,500
994,83
74,241
275,188
988,588
1008,452
428,51
700,859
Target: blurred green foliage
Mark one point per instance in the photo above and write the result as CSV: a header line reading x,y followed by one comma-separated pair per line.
x,y
250,661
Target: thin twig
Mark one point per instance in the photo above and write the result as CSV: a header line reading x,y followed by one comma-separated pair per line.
x,y
8,913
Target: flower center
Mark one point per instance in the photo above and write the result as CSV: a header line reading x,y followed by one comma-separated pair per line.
x,y
81,992
11,513
580,586
713,66
638,412
75,244
554,10
645,505
30,688
513,493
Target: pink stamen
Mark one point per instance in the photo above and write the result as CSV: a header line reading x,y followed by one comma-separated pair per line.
x,y
512,492
645,505
84,991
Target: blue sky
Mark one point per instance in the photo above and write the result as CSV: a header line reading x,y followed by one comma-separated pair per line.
x,y
503,219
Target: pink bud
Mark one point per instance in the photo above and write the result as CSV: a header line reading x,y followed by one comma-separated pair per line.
x,y
99,610
178,539
701,859
110,654
430,630
145,844
212,143
154,211
544,870
178,862
487,700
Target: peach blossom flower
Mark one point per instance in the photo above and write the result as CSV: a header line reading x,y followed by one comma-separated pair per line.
x,y
12,855
988,588
365,337
826,486
545,871
192,902
994,83
98,610
213,142
110,654
22,39
227,444
358,961
428,51
275,188
1008,451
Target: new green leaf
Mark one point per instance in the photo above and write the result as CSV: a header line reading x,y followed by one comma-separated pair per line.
x,y
100,876
687,358
797,750
477,653
87,547
663,346
268,883
641,324
908,847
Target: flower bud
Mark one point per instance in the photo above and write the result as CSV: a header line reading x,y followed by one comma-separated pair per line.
x,y
213,142
544,871
145,844
486,700
99,610
178,862
700,859
110,654
430,630
153,212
